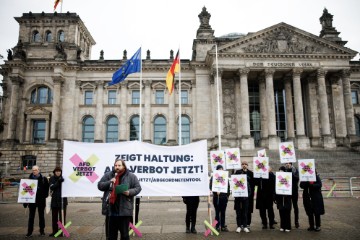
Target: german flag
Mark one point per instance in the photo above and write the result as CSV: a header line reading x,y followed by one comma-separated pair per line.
x,y
175,67
56,3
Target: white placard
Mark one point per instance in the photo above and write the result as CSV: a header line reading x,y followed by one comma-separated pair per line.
x,y
261,153
283,183
287,152
239,186
307,170
27,191
217,158
220,181
233,158
261,167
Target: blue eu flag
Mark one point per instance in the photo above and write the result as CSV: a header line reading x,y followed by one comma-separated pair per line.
x,y
132,65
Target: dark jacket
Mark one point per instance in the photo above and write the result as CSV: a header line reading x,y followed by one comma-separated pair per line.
x,y
42,190
222,194
283,202
125,203
194,200
55,187
265,191
295,181
312,197
251,188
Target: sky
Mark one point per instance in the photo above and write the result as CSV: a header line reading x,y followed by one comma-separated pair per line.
x,y
162,25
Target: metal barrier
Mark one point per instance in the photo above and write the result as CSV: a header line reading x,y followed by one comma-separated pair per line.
x,y
339,186
352,186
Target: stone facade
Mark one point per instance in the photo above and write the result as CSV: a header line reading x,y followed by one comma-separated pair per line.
x,y
278,84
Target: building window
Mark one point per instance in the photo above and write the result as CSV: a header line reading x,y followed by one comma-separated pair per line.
x,y
88,129
48,36
39,127
112,97
135,97
36,36
112,129
159,97
41,95
61,36
28,161
185,130
88,98
357,125
354,97
184,97
254,110
160,130
134,128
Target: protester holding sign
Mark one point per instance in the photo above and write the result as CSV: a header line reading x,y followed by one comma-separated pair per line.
x,y
313,203
58,203
220,201
283,203
119,187
295,190
192,204
40,203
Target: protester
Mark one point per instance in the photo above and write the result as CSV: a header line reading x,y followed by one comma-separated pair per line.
x,y
40,203
220,201
192,204
295,190
313,203
119,187
137,209
58,204
284,205
242,204
265,198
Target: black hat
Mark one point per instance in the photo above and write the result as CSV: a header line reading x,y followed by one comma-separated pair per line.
x,y
282,168
57,169
219,166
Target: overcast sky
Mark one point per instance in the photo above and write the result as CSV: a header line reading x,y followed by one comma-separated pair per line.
x,y
162,25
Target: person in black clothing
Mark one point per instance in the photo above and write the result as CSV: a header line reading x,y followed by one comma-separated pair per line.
x,y
220,201
295,190
58,204
192,204
313,203
40,203
265,198
284,205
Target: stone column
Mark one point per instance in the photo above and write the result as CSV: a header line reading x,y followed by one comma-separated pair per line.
x,y
314,126
270,104
247,142
349,109
55,115
289,110
99,118
302,142
77,124
193,102
328,141
28,130
123,112
171,124
263,113
47,128
13,111
147,112
338,108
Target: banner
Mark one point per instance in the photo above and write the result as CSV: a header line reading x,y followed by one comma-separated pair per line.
x,y
220,181
261,167
283,183
287,152
233,158
27,191
238,185
307,170
217,158
161,170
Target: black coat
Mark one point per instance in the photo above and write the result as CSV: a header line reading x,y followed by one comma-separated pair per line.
x,y
312,197
42,190
251,189
265,191
295,181
55,187
283,202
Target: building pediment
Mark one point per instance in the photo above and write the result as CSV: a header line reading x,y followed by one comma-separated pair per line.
x,y
37,111
283,39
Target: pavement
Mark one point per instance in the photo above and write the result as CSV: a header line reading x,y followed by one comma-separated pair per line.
x,y
165,219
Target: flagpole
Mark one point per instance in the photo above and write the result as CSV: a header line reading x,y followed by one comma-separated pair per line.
x,y
218,95
180,130
140,108
61,6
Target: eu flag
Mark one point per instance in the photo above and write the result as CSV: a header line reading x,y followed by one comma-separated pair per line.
x,y
132,65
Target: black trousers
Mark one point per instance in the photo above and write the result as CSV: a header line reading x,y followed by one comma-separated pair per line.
x,y
191,210
317,221
220,205
285,218
117,224
56,216
294,200
137,209
242,213
270,216
32,210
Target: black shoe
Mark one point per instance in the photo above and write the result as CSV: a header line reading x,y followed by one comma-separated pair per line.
x,y
224,229
193,230
52,235
187,230
311,229
272,227
297,225
29,235
264,227
317,229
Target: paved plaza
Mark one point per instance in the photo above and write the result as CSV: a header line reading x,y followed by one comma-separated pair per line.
x,y
164,219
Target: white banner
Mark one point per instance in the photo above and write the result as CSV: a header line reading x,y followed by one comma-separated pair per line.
x,y
261,167
161,170
287,152
27,191
220,181
217,158
283,183
307,170
238,185
233,158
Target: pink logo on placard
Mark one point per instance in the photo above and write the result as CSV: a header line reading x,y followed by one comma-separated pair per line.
x,y
239,183
306,168
260,165
233,156
287,150
220,179
283,181
84,168
217,159
28,189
